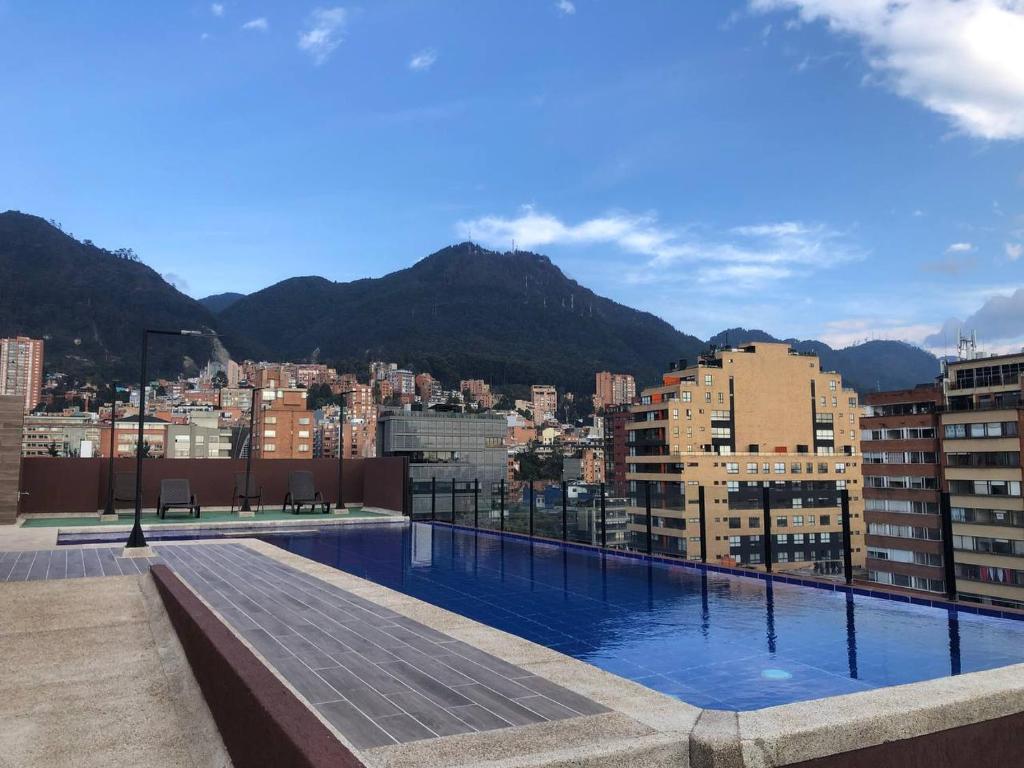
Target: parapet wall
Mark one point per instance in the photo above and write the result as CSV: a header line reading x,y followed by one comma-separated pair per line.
x,y
12,416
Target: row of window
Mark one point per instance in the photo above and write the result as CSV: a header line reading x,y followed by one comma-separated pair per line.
x,y
981,429
988,516
910,582
796,521
900,505
901,433
988,573
779,468
903,531
984,459
988,545
900,457
984,487
905,556
909,482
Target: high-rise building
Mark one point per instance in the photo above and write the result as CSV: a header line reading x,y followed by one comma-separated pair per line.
x,y
741,420
616,449
285,429
203,437
54,434
982,425
900,440
21,369
379,370
613,389
402,382
544,402
479,392
428,389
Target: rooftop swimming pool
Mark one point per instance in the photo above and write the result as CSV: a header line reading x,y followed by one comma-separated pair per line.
x,y
711,640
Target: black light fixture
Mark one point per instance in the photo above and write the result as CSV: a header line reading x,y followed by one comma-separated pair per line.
x,y
341,451
136,539
248,454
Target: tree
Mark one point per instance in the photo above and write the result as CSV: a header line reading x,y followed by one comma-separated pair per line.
x,y
51,450
220,380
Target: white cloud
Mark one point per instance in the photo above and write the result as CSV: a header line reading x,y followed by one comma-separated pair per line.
x,y
324,33
205,36
960,248
256,25
566,7
423,60
961,58
217,9
999,319
1014,251
844,333
177,281
737,257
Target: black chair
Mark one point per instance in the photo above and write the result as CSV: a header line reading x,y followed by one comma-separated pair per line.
x,y
253,493
176,494
302,492
124,488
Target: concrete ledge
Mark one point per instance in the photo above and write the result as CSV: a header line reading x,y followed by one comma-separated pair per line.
x,y
260,720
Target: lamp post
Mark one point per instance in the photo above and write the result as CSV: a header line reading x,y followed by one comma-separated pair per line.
x,y
341,451
245,509
136,539
108,510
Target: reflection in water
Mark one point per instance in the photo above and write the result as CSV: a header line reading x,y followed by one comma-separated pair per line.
x,y
705,613
954,643
851,636
769,592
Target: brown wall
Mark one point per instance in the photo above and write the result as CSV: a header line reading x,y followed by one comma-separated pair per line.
x,y
76,486
988,743
12,415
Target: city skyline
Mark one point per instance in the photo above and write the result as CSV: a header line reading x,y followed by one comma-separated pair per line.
x,y
769,154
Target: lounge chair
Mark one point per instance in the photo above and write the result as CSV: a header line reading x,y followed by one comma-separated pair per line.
x,y
176,494
124,488
302,492
254,493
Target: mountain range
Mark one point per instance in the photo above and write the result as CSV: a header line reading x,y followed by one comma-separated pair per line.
x,y
462,312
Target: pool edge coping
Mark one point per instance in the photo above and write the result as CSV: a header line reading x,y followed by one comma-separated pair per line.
x,y
768,737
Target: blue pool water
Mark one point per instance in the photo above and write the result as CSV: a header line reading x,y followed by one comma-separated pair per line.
x,y
712,640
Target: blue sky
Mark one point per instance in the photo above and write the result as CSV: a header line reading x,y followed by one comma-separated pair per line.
x,y
839,169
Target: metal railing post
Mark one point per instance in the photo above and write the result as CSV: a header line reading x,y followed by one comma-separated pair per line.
x,y
604,526
501,503
647,504
433,498
948,559
532,507
565,514
844,505
476,503
453,500
702,510
766,511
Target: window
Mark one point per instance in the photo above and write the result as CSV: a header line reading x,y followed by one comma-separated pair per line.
x,y
732,468
782,522
721,397
798,520
304,420
825,520
795,468
752,468
270,433
270,420
780,468
798,538
687,396
269,447
304,433
832,385
754,522
734,522
707,380
798,503
781,538
707,397
840,468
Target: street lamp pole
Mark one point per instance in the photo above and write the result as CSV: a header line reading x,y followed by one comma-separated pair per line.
x,y
341,452
248,454
136,539
108,510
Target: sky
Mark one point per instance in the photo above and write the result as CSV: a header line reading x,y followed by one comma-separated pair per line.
x,y
833,169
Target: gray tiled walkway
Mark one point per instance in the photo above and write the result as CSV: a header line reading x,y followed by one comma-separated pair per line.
x,y
67,563
378,677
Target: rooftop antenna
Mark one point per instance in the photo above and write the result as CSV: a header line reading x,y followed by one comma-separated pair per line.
x,y
514,246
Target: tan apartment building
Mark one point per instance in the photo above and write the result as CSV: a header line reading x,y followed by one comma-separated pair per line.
x,y
126,437
981,445
613,389
286,425
69,434
740,420
543,402
21,369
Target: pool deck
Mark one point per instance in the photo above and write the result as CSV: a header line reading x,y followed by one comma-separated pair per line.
x,y
92,675
405,684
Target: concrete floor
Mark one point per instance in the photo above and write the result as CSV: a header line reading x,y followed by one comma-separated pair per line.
x,y
92,674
